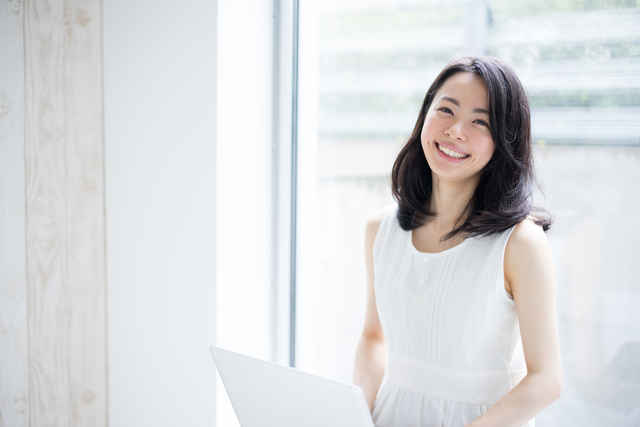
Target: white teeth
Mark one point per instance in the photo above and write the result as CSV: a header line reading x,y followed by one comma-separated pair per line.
x,y
451,153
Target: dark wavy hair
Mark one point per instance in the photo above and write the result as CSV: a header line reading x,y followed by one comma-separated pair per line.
x,y
504,194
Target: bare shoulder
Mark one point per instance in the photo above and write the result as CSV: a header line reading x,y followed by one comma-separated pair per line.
x,y
374,221
526,237
527,253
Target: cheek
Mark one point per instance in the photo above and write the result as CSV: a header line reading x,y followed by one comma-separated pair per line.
x,y
423,137
489,149
426,133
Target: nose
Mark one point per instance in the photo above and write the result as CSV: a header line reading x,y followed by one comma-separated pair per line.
x,y
456,131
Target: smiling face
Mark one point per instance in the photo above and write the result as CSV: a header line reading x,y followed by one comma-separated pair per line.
x,y
456,135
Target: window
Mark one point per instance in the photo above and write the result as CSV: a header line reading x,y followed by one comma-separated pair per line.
x,y
365,67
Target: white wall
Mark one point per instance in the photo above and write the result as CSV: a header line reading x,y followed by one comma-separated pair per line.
x,y
188,202
245,76
244,175
159,84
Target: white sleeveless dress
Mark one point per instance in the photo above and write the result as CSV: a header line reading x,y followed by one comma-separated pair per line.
x,y
452,329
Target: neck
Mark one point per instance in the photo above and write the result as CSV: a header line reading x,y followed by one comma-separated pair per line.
x,y
449,200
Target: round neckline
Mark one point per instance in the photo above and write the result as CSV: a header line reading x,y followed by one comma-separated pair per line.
x,y
436,254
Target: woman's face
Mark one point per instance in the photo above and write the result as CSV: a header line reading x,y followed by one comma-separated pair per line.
x,y
456,136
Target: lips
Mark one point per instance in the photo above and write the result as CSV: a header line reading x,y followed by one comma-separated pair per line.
x,y
451,151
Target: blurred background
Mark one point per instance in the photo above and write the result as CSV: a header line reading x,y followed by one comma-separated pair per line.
x,y
580,64
180,175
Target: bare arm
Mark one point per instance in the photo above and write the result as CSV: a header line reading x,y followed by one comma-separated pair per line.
x,y
530,274
371,354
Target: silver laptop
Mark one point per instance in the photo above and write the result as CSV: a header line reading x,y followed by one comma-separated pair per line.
x,y
264,394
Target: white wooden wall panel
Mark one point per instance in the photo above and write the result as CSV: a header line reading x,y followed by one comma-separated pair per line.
x,y
14,378
46,217
52,254
85,213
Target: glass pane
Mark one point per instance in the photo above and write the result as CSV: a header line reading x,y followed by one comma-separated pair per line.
x,y
580,63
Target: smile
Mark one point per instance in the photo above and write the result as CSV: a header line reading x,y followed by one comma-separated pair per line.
x,y
451,153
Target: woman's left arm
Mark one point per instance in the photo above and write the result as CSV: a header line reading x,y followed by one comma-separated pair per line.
x,y
529,272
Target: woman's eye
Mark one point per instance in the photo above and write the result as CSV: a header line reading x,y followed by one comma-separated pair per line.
x,y
482,122
445,110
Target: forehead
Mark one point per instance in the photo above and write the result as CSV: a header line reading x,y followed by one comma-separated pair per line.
x,y
466,88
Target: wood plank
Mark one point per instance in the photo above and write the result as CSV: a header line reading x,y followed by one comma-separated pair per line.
x,y
14,360
85,213
46,213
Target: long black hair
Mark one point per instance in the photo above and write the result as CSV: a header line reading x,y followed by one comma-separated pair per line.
x,y
504,194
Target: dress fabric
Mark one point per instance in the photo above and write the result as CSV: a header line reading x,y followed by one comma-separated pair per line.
x,y
451,328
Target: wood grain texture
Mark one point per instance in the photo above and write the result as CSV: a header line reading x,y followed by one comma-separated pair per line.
x,y
66,282
46,231
85,213
53,367
14,360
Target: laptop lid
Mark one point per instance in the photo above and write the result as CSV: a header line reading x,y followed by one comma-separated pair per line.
x,y
264,394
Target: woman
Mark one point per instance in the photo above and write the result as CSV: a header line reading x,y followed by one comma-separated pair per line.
x,y
461,283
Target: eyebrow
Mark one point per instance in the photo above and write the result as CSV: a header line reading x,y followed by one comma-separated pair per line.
x,y
457,104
